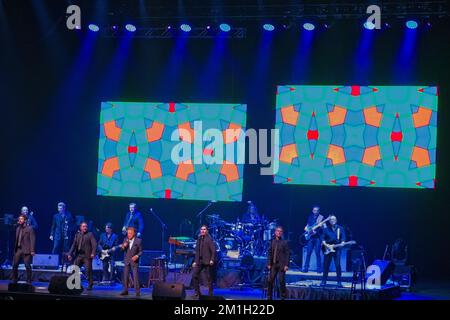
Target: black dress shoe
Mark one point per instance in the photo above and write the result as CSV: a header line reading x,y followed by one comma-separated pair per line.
x,y
138,294
124,293
304,270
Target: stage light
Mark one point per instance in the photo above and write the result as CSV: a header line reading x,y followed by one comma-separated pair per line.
x,y
369,25
208,27
130,27
185,27
225,27
93,27
169,27
308,26
268,27
411,24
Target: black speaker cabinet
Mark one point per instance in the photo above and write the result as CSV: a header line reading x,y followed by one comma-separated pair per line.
x,y
168,291
58,285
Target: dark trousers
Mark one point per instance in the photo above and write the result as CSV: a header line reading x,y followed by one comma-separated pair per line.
x,y
87,262
60,246
274,271
196,277
313,244
18,255
336,256
107,263
126,277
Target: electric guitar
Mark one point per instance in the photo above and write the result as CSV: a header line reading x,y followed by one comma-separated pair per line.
x,y
311,230
106,253
330,248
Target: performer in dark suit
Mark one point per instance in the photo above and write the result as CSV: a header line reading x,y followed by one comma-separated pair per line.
x,y
63,227
205,258
314,243
23,248
84,246
133,219
334,234
108,240
278,262
31,220
133,251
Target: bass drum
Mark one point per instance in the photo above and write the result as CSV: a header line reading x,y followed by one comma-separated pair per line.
x,y
230,245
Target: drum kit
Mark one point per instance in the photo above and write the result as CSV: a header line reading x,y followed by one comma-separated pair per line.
x,y
236,239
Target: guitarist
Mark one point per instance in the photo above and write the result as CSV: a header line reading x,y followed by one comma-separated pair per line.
x,y
313,243
108,240
334,234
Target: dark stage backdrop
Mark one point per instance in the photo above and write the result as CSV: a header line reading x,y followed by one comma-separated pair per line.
x,y
52,82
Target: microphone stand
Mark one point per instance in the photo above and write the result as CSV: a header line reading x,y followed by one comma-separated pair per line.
x,y
199,215
163,228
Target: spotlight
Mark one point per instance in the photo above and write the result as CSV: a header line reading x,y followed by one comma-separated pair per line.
x,y
208,27
185,27
225,27
93,27
308,26
130,27
369,25
169,27
268,27
411,24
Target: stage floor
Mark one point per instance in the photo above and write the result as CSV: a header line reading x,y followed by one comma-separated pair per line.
x,y
297,291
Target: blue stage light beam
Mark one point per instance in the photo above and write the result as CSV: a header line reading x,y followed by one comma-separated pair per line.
x,y
130,27
185,27
225,27
268,27
309,26
411,24
369,25
93,27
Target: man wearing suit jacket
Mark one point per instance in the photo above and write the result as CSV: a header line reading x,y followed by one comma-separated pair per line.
x,y
108,240
278,262
63,227
23,248
84,246
133,219
132,247
205,257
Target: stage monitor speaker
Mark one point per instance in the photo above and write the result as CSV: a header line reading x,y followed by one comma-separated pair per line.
x,y
21,287
46,261
206,297
58,285
147,257
386,269
168,291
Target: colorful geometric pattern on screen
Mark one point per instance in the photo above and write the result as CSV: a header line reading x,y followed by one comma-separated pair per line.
x,y
135,151
377,136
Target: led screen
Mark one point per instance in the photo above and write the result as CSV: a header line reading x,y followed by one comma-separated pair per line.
x,y
375,136
137,143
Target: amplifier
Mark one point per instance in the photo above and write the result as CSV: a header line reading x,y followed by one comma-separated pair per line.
x,y
46,261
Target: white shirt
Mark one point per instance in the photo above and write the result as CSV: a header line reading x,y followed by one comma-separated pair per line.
x,y
131,242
